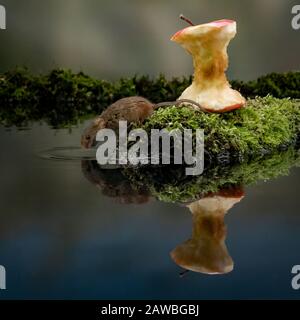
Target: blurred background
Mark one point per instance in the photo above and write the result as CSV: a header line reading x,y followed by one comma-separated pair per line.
x,y
110,39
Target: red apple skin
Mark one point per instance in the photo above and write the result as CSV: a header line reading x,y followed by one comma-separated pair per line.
x,y
232,192
226,109
177,34
217,24
222,22
235,192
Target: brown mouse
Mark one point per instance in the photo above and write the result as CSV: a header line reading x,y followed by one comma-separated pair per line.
x,y
132,109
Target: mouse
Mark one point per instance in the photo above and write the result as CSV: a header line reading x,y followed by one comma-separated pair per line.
x,y
133,109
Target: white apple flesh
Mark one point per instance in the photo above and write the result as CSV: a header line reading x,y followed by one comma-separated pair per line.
x,y
208,43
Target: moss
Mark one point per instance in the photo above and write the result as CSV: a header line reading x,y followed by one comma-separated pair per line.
x,y
279,85
170,184
62,97
265,125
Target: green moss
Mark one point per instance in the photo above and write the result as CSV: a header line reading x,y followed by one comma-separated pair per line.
x,y
170,184
279,85
264,125
62,97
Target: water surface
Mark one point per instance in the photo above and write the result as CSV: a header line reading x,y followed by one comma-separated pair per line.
x,y
61,237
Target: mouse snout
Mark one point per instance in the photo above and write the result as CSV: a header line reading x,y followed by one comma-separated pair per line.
x,y
86,141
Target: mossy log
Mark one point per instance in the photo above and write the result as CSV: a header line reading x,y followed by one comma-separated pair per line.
x,y
264,125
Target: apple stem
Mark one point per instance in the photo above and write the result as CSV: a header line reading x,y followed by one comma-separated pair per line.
x,y
182,17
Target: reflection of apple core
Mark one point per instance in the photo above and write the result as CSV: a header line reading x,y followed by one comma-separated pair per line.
x,y
206,251
208,43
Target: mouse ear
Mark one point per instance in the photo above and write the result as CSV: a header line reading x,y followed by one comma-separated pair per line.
x,y
99,122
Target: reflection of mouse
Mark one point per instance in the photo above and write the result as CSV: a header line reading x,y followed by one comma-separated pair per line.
x,y
132,110
113,184
206,251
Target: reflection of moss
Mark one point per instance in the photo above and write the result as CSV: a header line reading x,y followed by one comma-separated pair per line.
x,y
62,97
170,184
265,125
